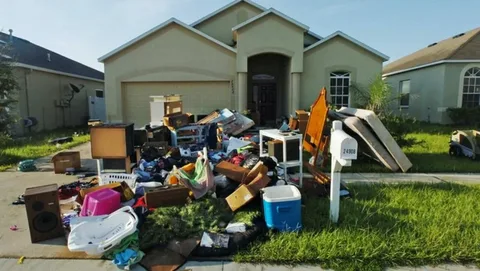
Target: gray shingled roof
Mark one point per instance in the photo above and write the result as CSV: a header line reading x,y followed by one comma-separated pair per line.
x,y
458,47
28,53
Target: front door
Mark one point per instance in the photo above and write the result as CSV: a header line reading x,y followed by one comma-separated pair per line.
x,y
266,102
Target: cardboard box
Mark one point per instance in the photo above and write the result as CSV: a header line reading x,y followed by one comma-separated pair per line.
x,y
234,172
302,115
240,197
302,126
67,159
122,188
259,182
166,196
259,168
293,123
176,120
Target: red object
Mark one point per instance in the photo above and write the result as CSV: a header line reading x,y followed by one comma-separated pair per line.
x,y
141,203
14,228
237,160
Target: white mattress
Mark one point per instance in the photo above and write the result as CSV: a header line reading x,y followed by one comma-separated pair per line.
x,y
363,133
382,133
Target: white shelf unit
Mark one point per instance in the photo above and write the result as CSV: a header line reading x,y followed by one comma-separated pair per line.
x,y
276,134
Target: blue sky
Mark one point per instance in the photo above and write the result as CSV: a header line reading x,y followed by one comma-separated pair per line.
x,y
87,29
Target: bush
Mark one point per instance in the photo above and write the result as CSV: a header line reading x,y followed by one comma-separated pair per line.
x,y
464,116
5,140
399,127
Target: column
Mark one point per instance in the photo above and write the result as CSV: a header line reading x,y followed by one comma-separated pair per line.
x,y
242,91
295,98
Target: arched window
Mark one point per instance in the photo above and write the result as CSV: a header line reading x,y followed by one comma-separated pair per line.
x,y
339,88
471,88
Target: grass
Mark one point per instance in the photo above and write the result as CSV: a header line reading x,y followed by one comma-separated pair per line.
x,y
382,226
428,152
36,146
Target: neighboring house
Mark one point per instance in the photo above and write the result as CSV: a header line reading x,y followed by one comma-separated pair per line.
x,y
241,56
44,78
442,75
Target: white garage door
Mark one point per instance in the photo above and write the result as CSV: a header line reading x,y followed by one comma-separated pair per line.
x,y
199,98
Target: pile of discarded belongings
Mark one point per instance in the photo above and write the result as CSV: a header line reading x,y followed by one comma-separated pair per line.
x,y
159,186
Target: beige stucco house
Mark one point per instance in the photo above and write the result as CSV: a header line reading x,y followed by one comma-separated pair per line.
x,y
241,56
45,93
445,74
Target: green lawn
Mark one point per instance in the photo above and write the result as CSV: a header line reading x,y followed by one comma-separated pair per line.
x,y
381,226
428,153
36,146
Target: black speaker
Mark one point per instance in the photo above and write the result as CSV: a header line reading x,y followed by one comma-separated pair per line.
x,y
43,212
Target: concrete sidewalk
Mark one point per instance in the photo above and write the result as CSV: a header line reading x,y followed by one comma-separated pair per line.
x,y
99,265
407,177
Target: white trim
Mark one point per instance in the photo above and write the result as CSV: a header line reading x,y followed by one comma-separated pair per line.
x,y
220,10
158,27
271,11
349,77
433,64
460,83
213,14
21,65
347,37
314,35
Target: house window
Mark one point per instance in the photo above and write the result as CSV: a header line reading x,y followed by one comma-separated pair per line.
x,y
471,88
404,93
339,88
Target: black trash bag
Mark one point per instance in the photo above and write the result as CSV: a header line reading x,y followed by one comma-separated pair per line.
x,y
142,213
269,163
157,177
250,161
150,153
237,241
229,189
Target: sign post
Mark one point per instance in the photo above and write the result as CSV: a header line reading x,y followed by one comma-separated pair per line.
x,y
343,149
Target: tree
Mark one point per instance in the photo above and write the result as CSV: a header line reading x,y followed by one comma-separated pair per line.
x,y
377,96
8,89
380,98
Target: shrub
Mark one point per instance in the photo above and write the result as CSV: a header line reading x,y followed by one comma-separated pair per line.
x,y
464,116
5,140
399,127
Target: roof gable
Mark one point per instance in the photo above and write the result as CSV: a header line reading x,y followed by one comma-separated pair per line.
x,y
222,9
268,12
351,39
27,54
459,47
236,2
157,28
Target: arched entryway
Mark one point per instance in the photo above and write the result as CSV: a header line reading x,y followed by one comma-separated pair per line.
x,y
268,84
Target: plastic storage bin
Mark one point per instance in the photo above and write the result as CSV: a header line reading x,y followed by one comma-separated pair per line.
x,y
282,207
101,202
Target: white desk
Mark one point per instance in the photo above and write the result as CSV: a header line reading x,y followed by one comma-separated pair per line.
x,y
275,134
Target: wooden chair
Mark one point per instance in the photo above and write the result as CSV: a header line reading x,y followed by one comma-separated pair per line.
x,y
314,141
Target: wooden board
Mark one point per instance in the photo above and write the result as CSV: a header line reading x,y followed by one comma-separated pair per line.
x,y
108,143
382,133
314,141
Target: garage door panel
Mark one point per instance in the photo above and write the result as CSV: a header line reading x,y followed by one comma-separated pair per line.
x,y
199,98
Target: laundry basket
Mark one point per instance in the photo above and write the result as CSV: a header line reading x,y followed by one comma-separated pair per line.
x,y
94,237
130,179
